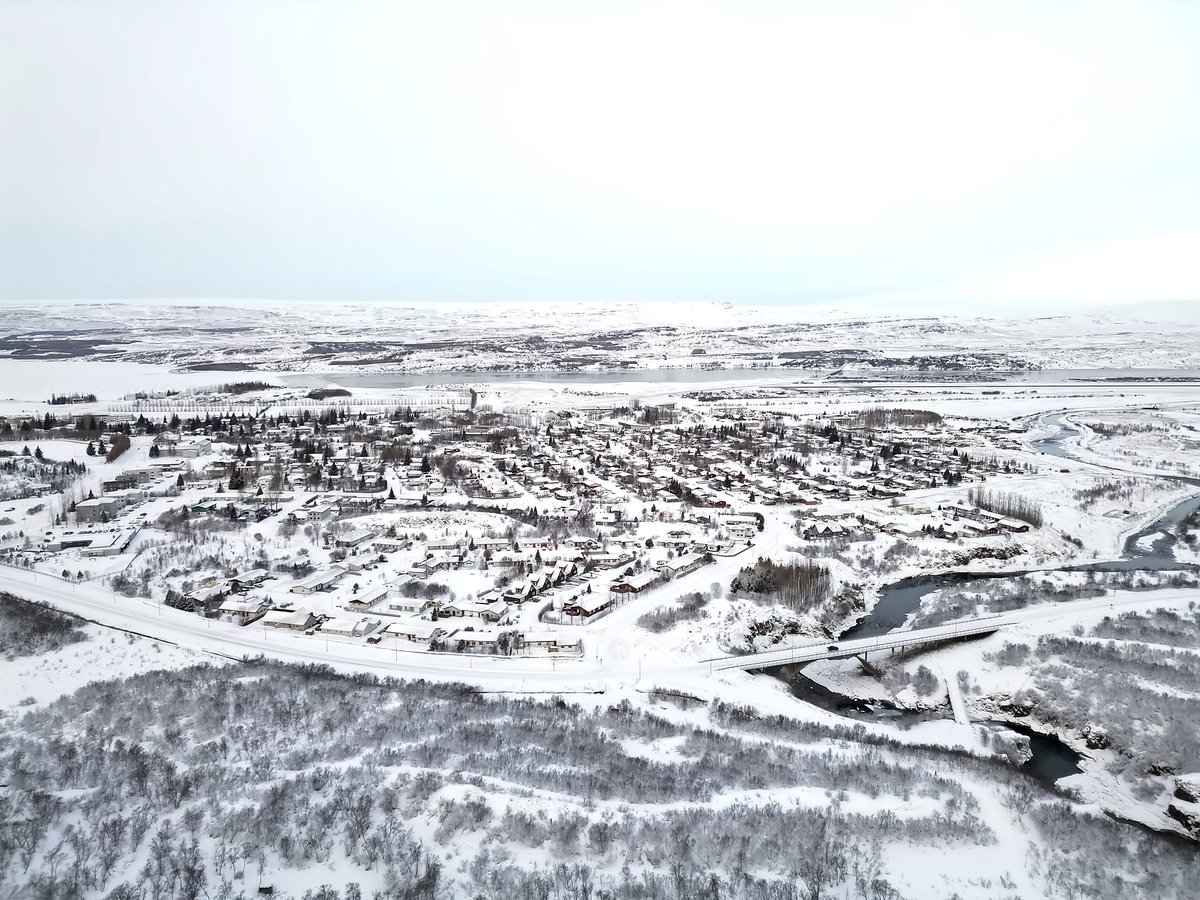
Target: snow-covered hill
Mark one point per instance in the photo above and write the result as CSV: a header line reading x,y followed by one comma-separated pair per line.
x,y
225,336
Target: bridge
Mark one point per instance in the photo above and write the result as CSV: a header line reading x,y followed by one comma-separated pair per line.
x,y
901,640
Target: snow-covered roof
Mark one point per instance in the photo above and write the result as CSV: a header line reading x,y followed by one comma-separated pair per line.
x,y
414,629
250,575
287,618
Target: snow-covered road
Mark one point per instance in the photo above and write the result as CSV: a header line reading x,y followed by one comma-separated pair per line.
x,y
233,641
591,673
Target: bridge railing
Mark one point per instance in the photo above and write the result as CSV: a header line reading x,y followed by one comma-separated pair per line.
x,y
892,641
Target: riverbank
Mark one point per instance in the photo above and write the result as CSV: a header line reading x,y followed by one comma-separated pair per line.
x,y
995,689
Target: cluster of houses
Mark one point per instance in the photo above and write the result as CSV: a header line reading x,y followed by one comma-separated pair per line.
x,y
950,521
365,463
471,626
605,472
129,488
573,575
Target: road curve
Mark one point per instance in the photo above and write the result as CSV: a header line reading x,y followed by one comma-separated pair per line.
x,y
538,674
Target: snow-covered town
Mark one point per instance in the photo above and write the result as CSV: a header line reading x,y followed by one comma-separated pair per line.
x,y
612,451
588,540
459,529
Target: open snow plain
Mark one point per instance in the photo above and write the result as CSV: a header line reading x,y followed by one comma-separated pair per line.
x,y
473,608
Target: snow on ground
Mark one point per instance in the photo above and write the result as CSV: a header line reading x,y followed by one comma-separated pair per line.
x,y
1095,503
105,654
29,383
440,337
991,682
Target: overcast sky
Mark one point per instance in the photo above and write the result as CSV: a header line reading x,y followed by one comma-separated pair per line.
x,y
964,154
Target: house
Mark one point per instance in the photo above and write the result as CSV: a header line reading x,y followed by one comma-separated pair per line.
x,y
962,510
681,565
206,598
1015,526
357,503
588,605
677,538
519,593
738,520
548,642
973,528
474,641
426,567
824,530
370,599
354,538
243,610
319,581
289,619
100,509
246,580
562,570
375,597
608,560
408,606
492,543
414,631
636,584
191,448
391,545
489,612
318,512
348,626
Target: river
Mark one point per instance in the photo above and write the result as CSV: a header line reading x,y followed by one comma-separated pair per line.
x,y
899,599
1052,759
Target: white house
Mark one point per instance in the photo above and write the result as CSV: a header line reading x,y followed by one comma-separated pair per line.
x,y
413,631
587,605
548,642
243,580
289,619
489,612
348,626
318,581
635,584
243,610
354,538
681,565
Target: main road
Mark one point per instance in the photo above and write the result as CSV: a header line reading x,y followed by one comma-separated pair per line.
x,y
540,674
